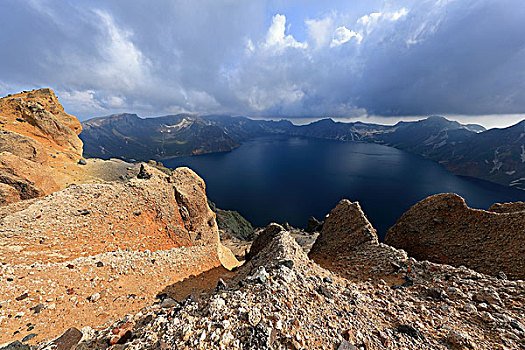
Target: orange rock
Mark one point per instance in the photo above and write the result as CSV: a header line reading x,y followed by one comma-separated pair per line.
x,y
39,145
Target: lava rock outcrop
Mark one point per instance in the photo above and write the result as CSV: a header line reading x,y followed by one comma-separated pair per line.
x,y
39,145
443,229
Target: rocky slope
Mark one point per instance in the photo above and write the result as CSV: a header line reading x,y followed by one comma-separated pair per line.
x,y
281,299
106,240
443,229
496,155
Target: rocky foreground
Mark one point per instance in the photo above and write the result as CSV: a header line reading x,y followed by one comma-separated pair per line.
x,y
373,297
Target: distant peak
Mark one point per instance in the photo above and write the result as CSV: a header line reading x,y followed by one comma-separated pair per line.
x,y
436,117
130,116
126,115
326,121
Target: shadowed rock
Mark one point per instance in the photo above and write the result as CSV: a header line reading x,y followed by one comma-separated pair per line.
x,y
68,340
263,239
313,225
344,229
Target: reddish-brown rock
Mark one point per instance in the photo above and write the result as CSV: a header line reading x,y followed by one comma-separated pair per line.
x,y
443,229
39,145
161,212
39,115
507,207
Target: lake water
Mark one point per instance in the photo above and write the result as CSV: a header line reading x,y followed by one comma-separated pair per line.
x,y
282,178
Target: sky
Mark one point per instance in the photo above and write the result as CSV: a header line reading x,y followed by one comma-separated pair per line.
x,y
369,60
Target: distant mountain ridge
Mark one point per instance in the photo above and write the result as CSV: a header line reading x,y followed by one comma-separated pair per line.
x,y
132,138
496,155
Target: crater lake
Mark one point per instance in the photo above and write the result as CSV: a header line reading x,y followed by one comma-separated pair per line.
x,y
288,179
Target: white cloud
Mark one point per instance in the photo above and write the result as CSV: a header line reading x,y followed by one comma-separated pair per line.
x,y
394,16
114,102
250,48
243,57
81,101
374,19
343,35
319,30
125,65
369,19
276,37
261,99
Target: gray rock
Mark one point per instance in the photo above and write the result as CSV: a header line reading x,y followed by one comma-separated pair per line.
x,y
143,173
168,302
313,225
37,308
29,337
16,345
328,279
288,263
516,325
221,285
345,345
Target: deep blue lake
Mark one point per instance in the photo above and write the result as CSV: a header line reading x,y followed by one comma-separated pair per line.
x,y
281,178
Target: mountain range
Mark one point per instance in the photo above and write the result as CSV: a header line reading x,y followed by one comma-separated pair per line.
x,y
496,155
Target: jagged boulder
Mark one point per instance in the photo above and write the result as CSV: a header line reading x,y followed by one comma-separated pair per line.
x,y
263,239
344,229
443,229
39,145
313,225
348,244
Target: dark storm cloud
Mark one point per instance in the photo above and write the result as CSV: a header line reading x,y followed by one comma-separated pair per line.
x,y
269,58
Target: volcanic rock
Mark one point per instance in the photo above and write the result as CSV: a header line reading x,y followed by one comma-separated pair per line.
x,y
344,229
313,225
443,229
263,239
297,314
174,236
507,207
39,145
68,340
